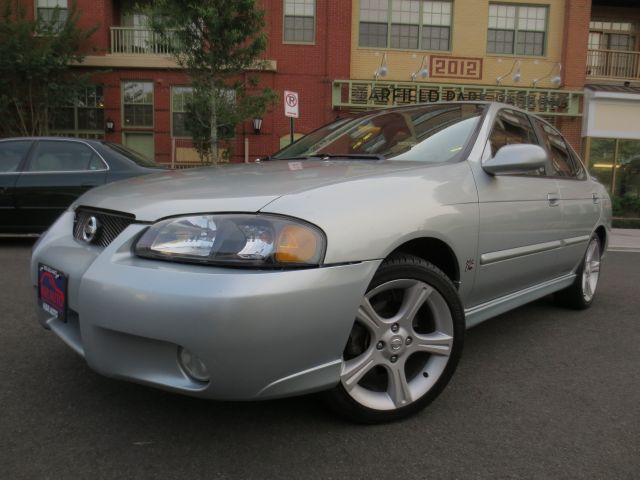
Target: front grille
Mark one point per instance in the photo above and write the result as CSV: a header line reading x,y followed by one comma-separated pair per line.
x,y
109,225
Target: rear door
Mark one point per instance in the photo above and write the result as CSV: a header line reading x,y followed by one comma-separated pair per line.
x,y
57,172
520,218
12,156
579,198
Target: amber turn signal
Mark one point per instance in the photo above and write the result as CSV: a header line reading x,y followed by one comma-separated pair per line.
x,y
296,244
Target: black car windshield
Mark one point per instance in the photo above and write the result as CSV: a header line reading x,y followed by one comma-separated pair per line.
x,y
132,155
425,133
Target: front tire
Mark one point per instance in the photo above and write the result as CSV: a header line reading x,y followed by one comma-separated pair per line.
x,y
405,343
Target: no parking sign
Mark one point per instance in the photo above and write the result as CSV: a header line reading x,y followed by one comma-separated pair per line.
x,y
291,104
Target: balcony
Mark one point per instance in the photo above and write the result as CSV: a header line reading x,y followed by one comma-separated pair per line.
x,y
613,64
141,41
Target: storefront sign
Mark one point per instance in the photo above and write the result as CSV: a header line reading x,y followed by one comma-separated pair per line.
x,y
359,95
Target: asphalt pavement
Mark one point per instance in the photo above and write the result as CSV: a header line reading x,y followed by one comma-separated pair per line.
x,y
540,393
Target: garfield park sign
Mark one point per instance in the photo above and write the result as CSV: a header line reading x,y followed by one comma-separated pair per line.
x,y
357,95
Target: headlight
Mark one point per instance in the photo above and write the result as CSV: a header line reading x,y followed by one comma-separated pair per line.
x,y
230,239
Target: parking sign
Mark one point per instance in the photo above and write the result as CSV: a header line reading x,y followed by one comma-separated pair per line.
x,y
291,104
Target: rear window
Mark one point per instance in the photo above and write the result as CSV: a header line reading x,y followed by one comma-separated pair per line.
x,y
11,154
132,155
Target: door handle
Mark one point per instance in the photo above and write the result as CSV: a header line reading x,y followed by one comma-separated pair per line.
x,y
554,199
596,198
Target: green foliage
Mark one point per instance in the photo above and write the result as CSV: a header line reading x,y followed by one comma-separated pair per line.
x,y
626,206
626,223
218,41
35,77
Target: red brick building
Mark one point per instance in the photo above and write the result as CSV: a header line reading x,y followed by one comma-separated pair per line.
x,y
138,84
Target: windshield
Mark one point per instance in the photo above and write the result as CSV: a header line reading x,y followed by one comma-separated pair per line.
x,y
132,155
426,133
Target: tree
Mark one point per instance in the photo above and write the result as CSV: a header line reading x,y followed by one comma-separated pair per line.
x,y
217,42
35,73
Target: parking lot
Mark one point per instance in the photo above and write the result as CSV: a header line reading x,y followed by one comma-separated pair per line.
x,y
540,392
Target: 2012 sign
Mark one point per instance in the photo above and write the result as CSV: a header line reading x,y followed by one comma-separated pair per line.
x,y
456,67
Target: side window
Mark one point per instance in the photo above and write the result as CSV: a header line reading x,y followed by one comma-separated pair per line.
x,y
61,156
11,154
511,127
563,163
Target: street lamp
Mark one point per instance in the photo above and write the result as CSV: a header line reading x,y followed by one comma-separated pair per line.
x,y
110,126
514,71
257,125
382,70
423,71
556,80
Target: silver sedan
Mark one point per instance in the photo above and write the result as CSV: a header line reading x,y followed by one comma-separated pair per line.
x,y
350,262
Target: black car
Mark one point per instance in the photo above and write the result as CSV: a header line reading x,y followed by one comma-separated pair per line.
x,y
40,177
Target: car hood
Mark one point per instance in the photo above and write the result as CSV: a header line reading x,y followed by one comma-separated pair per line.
x,y
227,188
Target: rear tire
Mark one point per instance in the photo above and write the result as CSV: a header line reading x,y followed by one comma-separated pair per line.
x,y
405,344
580,294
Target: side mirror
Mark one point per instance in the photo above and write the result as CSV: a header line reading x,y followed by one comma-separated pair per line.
x,y
518,158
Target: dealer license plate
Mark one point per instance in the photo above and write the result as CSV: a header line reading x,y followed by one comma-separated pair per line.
x,y
52,291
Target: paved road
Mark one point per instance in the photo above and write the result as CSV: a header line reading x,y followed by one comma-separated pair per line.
x,y
540,393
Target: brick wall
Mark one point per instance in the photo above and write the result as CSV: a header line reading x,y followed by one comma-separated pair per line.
x,y
307,69
576,35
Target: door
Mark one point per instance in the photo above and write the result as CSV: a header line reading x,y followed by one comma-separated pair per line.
x,y
56,173
141,143
580,204
12,156
520,219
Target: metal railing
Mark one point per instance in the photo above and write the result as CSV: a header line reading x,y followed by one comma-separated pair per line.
x,y
142,41
613,64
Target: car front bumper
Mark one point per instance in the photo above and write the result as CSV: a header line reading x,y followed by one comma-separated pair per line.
x,y
260,333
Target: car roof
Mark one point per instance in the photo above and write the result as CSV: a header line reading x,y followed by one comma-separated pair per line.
x,y
90,141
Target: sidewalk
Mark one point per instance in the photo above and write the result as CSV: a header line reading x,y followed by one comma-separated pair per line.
x,y
624,240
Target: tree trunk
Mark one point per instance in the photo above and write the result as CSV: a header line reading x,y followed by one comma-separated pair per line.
x,y
214,126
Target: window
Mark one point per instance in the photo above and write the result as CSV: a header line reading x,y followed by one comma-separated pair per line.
x,y
61,156
511,127
424,133
517,29
11,154
612,35
374,23
405,24
562,160
436,29
180,96
137,103
52,13
300,21
616,164
83,118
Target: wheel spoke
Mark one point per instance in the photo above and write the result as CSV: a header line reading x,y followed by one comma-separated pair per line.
x,y
398,388
368,316
595,266
436,343
414,298
353,370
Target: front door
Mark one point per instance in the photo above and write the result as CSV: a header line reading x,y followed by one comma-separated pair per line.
x,y
140,142
520,219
